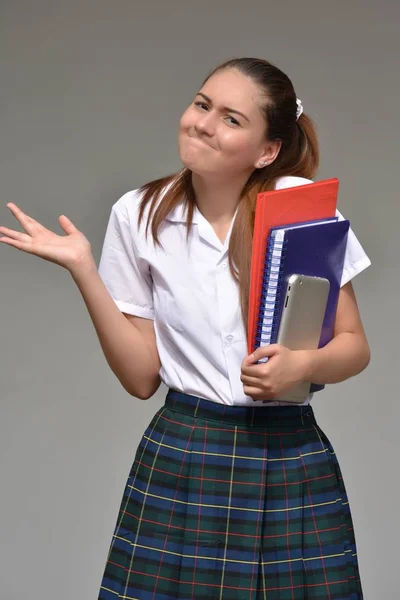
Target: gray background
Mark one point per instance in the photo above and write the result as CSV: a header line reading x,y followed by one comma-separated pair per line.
x,y
91,94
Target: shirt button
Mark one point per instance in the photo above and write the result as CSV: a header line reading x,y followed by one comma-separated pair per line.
x,y
228,340
224,264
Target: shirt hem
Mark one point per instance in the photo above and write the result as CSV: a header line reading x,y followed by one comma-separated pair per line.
x,y
355,269
132,309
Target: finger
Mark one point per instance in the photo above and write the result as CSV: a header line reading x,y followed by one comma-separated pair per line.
x,y
67,225
250,359
17,244
264,390
254,370
248,380
254,393
25,220
266,351
15,235
261,352
17,239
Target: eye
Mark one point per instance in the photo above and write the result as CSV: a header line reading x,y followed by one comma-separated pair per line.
x,y
201,105
233,121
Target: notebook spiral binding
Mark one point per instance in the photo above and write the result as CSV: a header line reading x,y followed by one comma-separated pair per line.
x,y
270,298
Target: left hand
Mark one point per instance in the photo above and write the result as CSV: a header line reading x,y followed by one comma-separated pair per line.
x,y
267,381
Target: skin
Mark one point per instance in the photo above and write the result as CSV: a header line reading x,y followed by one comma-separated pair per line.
x,y
222,148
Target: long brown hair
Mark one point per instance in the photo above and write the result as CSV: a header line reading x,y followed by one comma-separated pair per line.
x,y
298,156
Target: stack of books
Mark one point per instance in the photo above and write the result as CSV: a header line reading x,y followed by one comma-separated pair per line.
x,y
296,231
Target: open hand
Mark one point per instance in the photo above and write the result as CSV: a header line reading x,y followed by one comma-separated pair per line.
x,y
68,251
267,381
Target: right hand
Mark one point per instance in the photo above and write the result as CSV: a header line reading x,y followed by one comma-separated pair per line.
x,y
69,251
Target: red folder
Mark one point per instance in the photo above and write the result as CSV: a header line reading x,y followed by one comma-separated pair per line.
x,y
283,207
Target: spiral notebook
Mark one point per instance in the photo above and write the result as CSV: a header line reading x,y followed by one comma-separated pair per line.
x,y
314,248
272,293
313,201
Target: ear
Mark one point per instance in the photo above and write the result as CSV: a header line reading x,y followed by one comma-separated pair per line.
x,y
268,154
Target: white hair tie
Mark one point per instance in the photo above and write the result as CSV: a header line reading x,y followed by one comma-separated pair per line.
x,y
300,109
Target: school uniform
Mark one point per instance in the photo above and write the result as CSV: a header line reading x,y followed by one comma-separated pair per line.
x,y
227,498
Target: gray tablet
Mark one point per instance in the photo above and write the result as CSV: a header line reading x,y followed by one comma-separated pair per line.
x,y
301,322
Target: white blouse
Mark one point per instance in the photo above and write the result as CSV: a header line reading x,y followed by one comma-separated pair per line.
x,y
188,290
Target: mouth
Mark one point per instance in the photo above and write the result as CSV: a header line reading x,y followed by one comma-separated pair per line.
x,y
199,140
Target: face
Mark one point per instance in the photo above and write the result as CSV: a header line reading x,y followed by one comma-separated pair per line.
x,y
223,132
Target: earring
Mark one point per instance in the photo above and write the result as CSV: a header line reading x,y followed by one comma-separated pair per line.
x,y
262,164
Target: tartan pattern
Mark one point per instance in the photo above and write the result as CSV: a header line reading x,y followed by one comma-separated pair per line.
x,y
233,503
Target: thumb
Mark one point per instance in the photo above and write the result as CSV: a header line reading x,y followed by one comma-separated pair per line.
x,y
67,225
265,351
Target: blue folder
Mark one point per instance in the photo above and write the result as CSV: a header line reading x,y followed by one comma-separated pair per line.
x,y
317,249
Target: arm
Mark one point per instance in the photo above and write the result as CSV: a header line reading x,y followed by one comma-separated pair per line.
x,y
128,342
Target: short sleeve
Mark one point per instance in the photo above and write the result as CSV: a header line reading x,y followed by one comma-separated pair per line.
x,y
123,270
355,259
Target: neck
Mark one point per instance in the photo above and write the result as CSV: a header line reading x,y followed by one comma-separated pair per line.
x,y
217,201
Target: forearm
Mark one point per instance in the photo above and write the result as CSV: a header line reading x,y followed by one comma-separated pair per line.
x,y
344,356
125,348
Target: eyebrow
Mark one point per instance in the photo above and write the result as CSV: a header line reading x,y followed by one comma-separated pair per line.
x,y
231,110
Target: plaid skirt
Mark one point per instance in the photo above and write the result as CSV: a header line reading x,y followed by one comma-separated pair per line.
x,y
233,503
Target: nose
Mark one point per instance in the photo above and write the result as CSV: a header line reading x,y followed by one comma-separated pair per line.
x,y
205,124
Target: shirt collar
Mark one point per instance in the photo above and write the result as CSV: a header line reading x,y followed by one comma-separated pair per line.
x,y
179,214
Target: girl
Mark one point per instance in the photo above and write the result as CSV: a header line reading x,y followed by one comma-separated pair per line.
x,y
231,495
